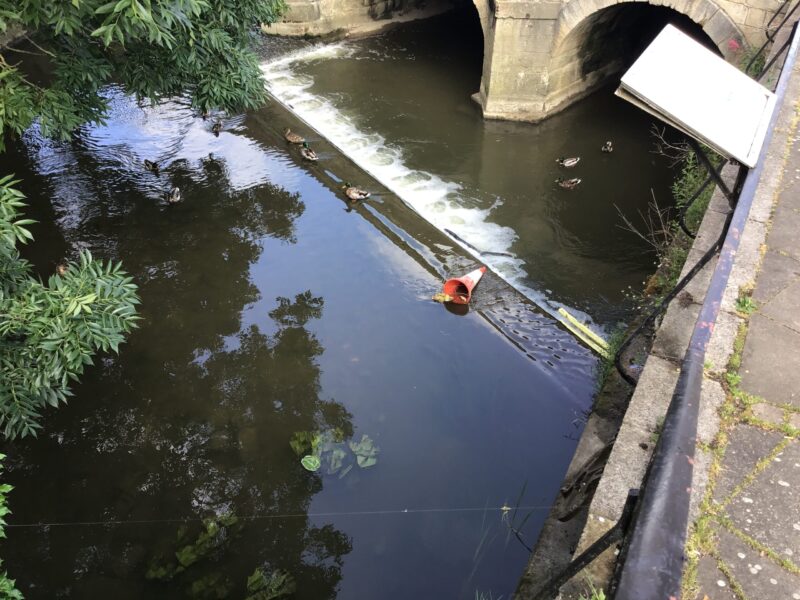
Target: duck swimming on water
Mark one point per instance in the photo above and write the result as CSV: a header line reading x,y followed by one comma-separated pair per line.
x,y
607,147
568,162
307,152
151,166
216,128
568,184
174,195
293,138
354,193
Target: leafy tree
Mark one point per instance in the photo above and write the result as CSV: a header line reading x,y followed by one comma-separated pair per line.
x,y
49,332
8,591
153,48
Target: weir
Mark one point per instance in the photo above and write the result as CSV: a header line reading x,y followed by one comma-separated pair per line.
x,y
436,200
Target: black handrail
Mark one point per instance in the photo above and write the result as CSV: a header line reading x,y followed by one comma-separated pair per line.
x,y
653,555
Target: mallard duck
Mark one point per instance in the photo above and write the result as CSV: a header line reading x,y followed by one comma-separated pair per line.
x,y
307,152
216,128
174,195
607,147
568,184
151,166
568,162
293,138
354,193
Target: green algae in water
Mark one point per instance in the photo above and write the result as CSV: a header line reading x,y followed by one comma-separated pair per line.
x,y
217,533
277,584
366,451
328,451
310,462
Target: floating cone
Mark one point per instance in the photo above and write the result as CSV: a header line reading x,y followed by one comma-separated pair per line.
x,y
460,288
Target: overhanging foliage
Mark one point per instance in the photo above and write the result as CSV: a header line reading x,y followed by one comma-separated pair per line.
x,y
153,48
50,331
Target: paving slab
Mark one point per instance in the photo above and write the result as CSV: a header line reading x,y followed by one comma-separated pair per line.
x,y
786,223
768,510
783,306
746,446
777,271
794,420
711,582
767,413
759,576
771,361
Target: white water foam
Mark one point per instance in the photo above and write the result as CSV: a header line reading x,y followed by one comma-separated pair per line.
x,y
438,201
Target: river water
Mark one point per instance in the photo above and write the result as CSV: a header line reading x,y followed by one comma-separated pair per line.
x,y
399,104
270,307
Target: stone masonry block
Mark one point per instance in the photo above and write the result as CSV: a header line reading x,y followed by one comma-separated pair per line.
x,y
756,17
300,12
675,331
652,396
719,28
735,11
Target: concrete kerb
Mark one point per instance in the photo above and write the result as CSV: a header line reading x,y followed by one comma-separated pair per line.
x,y
628,460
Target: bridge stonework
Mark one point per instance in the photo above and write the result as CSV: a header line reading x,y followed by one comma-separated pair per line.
x,y
541,55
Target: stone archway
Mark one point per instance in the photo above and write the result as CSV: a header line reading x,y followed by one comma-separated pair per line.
x,y
715,22
537,59
584,57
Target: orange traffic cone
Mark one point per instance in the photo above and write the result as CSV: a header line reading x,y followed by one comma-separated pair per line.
x,y
460,288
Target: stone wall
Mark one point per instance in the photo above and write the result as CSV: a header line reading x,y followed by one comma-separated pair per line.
x,y
324,17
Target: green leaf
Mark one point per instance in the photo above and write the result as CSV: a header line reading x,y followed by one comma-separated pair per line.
x,y
310,462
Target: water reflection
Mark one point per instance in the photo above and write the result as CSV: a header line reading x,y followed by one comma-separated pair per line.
x,y
193,419
268,310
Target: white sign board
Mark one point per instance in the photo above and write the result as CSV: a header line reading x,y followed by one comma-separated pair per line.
x,y
691,88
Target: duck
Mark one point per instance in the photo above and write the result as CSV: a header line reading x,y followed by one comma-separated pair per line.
x,y
354,193
607,147
568,162
568,184
174,195
293,138
151,166
216,128
307,152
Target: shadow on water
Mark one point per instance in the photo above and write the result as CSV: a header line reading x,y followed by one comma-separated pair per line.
x,y
269,309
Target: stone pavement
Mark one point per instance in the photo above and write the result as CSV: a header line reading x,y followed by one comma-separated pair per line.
x,y
745,544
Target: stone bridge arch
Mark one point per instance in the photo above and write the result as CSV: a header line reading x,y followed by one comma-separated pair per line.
x,y
540,55
564,50
583,55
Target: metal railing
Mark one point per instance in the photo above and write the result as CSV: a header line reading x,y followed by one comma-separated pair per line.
x,y
654,521
714,175
652,559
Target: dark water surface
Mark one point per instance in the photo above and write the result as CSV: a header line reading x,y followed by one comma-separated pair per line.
x,y
400,102
270,309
